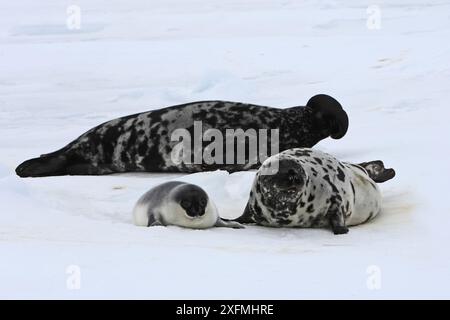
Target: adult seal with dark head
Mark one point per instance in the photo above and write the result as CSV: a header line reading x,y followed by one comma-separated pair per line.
x,y
180,204
308,188
144,142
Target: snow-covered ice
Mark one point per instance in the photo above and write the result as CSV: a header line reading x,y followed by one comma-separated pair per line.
x,y
131,56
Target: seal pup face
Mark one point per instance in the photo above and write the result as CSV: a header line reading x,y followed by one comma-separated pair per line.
x,y
329,117
281,190
192,199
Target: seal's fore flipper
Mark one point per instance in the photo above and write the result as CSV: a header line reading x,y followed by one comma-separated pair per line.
x,y
337,218
152,221
89,169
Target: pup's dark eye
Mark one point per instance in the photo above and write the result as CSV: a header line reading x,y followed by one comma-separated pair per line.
x,y
185,203
203,202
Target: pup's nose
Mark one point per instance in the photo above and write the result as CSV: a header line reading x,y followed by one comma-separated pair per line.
x,y
195,212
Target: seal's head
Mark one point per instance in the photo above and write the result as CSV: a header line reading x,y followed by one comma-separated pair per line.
x,y
281,183
328,116
192,199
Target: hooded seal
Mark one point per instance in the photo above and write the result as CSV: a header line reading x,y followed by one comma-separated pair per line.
x,y
180,204
143,142
308,188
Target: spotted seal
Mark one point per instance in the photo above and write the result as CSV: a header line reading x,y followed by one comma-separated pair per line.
x,y
143,142
302,187
180,204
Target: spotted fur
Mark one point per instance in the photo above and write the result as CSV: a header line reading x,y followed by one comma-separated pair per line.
x,y
311,189
142,142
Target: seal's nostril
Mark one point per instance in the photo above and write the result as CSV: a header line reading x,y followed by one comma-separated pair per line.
x,y
292,176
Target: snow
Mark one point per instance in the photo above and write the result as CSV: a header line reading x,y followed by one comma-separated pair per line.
x,y
55,83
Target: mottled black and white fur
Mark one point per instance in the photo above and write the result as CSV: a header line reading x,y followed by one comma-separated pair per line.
x,y
142,142
180,204
308,188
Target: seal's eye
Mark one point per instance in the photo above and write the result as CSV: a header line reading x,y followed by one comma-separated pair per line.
x,y
185,203
203,202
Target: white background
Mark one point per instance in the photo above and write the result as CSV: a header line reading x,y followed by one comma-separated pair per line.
x,y
136,55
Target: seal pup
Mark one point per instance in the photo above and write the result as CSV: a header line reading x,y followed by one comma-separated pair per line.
x,y
180,204
308,188
143,142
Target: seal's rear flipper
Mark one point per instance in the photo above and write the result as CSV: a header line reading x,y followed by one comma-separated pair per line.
x,y
224,223
43,167
377,172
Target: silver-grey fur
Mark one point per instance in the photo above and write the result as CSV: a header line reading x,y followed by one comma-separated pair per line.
x,y
181,204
